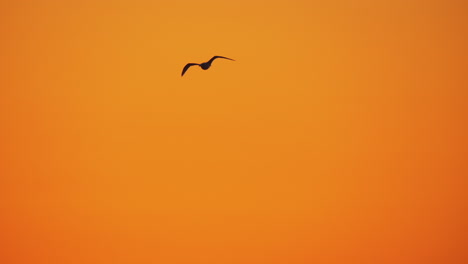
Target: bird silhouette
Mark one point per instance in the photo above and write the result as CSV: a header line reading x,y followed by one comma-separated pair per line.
x,y
204,65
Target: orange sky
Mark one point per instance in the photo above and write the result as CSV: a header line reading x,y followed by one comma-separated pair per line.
x,y
337,136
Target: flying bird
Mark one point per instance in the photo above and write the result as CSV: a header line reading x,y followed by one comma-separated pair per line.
x,y
204,65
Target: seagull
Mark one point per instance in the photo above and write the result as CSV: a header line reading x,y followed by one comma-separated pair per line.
x,y
204,65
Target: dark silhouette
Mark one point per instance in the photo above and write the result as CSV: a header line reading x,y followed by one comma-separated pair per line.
x,y
204,65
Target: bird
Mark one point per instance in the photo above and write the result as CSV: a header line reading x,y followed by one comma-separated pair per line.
x,y
204,65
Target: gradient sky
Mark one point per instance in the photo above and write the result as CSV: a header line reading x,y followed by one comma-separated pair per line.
x,y
337,136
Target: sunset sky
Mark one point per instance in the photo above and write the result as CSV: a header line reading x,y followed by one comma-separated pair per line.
x,y
338,136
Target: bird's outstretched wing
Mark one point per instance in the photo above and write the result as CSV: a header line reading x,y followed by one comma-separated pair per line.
x,y
219,57
187,67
